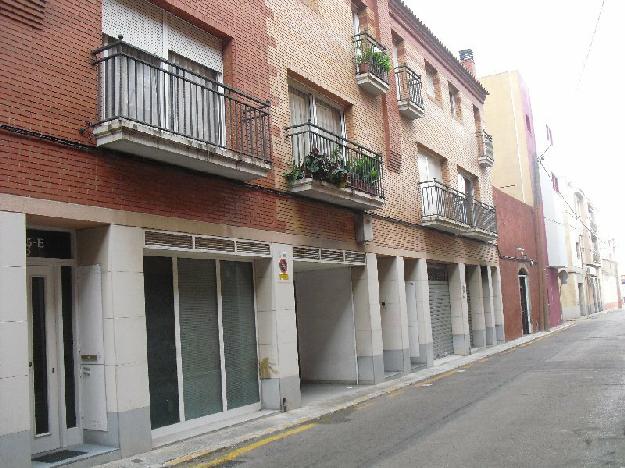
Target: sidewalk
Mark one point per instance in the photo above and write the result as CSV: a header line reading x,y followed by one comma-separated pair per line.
x,y
202,445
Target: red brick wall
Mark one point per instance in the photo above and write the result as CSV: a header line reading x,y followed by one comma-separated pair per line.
x,y
516,224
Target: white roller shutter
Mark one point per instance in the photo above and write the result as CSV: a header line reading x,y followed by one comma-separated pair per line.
x,y
440,311
470,318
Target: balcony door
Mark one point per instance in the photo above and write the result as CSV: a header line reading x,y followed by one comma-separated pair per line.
x,y
430,172
466,189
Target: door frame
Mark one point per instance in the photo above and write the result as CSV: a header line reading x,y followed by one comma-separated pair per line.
x,y
524,277
73,435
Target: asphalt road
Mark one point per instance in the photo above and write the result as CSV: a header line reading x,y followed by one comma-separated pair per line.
x,y
559,401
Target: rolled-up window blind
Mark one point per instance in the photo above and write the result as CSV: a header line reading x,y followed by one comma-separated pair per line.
x,y
239,332
199,337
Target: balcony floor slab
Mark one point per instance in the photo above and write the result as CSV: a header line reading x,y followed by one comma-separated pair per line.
x,y
445,224
330,193
372,84
152,143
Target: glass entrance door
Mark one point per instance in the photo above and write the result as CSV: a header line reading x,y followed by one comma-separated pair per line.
x,y
42,359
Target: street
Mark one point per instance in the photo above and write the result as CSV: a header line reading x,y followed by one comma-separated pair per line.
x,y
559,401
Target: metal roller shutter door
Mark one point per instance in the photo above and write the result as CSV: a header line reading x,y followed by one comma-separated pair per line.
x,y
440,313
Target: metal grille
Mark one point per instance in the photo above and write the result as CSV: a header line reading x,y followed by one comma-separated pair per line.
x,y
214,243
251,247
442,201
306,253
470,318
484,217
332,255
164,239
355,257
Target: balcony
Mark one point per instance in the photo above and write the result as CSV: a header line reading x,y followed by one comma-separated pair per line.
x,y
485,147
483,222
409,98
447,209
330,168
372,64
155,109
443,208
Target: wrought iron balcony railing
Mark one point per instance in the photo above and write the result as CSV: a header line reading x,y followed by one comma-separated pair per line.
x,y
486,144
408,86
325,156
369,56
147,89
440,201
450,210
484,217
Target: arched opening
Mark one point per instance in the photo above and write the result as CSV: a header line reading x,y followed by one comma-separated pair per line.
x,y
526,307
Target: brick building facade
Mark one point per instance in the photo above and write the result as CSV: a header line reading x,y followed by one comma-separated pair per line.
x,y
153,250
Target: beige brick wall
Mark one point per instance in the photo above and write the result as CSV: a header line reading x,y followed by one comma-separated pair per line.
x,y
313,44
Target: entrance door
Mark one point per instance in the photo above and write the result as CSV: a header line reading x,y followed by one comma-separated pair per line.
x,y
43,360
525,309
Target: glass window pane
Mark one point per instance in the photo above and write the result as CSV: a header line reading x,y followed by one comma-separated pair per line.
x,y
239,327
199,337
67,311
40,355
160,322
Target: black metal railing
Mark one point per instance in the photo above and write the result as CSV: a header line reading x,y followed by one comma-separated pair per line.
x,y
408,86
439,200
369,55
483,217
486,144
326,156
141,87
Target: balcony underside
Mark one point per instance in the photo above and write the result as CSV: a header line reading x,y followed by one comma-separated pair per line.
x,y
152,143
445,224
372,84
486,161
330,193
481,234
410,110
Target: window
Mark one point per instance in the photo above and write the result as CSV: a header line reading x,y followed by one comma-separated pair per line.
x,y
327,121
201,337
454,101
430,168
431,82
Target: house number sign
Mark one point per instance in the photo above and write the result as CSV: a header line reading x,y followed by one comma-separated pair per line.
x,y
48,244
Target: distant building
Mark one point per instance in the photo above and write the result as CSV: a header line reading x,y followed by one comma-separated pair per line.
x,y
529,281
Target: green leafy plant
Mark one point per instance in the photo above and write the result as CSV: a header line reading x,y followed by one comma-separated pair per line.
x,y
365,170
374,57
294,173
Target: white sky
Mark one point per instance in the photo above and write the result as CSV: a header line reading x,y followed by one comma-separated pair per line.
x,y
547,40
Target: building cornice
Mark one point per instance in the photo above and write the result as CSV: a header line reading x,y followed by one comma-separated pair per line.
x,y
403,14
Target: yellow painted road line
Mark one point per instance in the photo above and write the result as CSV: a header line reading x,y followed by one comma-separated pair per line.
x,y
245,449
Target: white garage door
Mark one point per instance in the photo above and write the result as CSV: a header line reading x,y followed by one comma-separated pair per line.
x,y
440,311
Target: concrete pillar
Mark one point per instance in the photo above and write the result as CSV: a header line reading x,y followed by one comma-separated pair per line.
x,y
426,342
366,296
277,330
15,427
498,305
411,278
489,315
118,250
393,314
459,309
476,307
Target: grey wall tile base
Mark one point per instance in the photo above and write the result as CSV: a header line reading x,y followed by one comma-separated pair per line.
x,y
462,345
370,369
396,360
15,449
490,336
426,354
479,338
274,390
135,433
501,335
